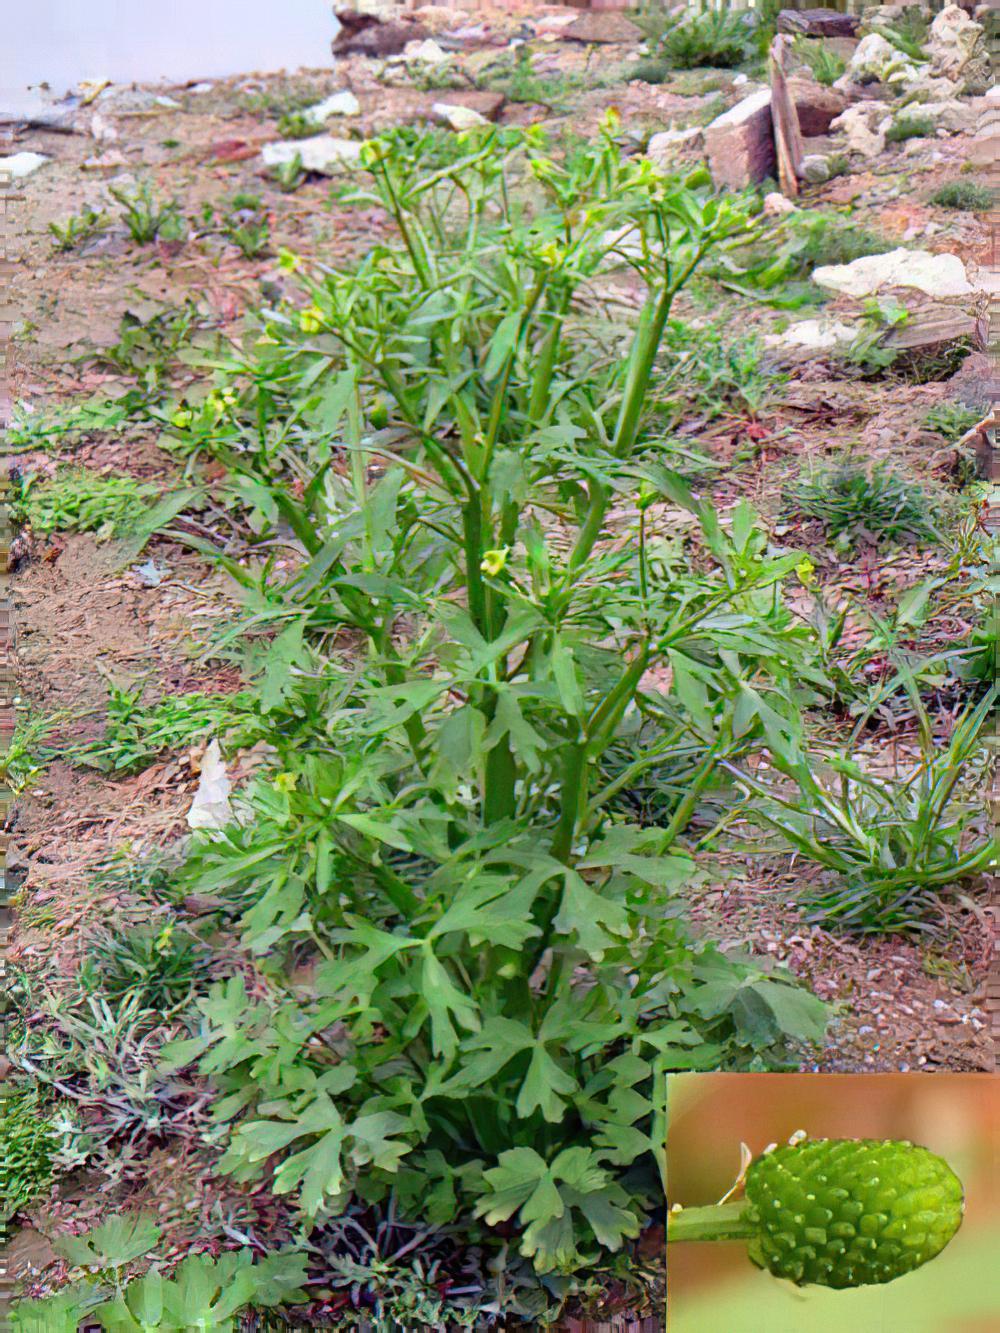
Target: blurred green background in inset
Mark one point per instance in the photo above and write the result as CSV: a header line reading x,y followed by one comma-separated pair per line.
x,y
714,1288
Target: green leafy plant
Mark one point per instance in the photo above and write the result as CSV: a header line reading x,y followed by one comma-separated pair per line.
x,y
146,215
837,1213
854,500
202,1293
499,953
27,1145
158,963
83,501
135,734
969,196
37,429
78,228
718,38
952,419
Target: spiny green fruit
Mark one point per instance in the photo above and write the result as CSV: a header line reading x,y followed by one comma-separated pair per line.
x,y
850,1212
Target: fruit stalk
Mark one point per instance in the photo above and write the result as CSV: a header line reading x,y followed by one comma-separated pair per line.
x,y
719,1221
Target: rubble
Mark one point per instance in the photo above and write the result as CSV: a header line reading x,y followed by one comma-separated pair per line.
x,y
958,50
864,127
337,104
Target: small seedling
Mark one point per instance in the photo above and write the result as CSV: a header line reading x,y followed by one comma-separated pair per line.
x,y
148,217
837,1213
247,226
288,176
77,228
298,125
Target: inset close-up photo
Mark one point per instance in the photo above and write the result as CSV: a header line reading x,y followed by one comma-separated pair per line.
x,y
831,1202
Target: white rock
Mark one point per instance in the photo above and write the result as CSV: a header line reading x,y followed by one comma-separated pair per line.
x,y
458,117
323,153
876,58
554,22
820,335
19,165
776,205
660,149
957,48
170,103
210,807
864,127
934,275
955,117
199,88
102,130
427,53
338,104
740,80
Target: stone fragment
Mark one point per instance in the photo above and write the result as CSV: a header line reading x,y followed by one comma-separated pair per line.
x,y
458,117
817,23
337,104
776,205
323,154
365,34
934,275
19,165
605,27
739,144
818,335
816,106
662,148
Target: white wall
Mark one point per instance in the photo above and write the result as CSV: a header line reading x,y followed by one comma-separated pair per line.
x,y
63,41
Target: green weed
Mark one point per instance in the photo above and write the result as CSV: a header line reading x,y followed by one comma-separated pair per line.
x,y
890,845
147,216
910,127
969,196
854,501
951,419
825,64
135,735
449,850
718,39
78,228
27,1145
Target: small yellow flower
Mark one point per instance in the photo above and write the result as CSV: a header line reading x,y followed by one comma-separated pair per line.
x,y
494,561
286,782
181,418
311,320
806,571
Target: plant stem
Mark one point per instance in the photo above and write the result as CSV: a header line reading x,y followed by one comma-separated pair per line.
x,y
718,1221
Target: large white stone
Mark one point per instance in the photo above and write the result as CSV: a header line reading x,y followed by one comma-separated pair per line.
x,y
818,335
19,165
337,104
864,127
323,153
934,275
